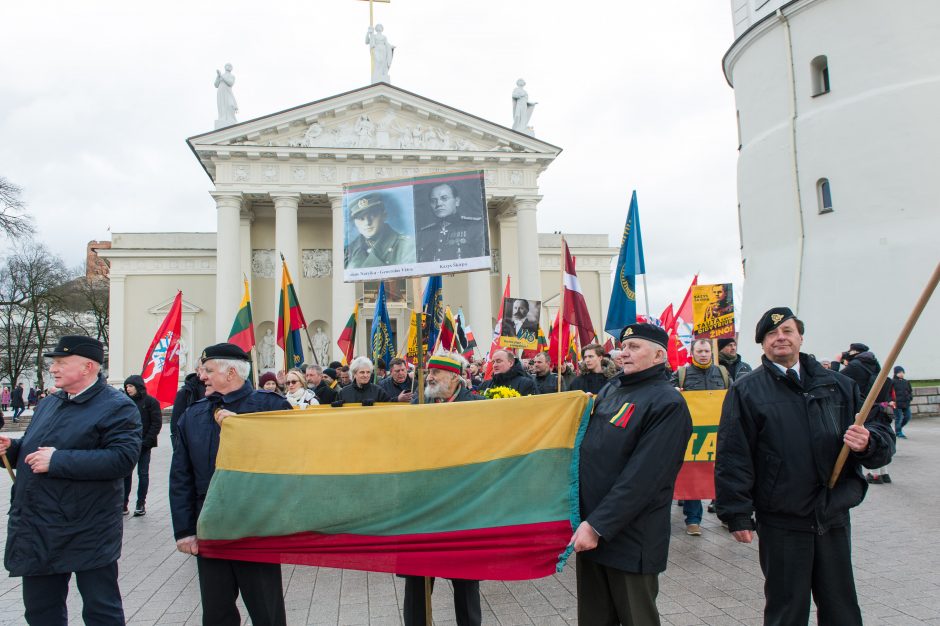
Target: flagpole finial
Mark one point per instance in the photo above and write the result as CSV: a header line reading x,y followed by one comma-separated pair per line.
x,y
282,257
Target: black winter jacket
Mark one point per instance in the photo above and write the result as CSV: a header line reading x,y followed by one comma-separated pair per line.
x,y
697,379
903,393
516,378
325,393
628,472
863,368
151,419
549,383
736,367
69,518
197,446
393,389
778,443
370,392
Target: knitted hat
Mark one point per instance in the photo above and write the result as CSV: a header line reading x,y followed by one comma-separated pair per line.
x,y
264,378
446,363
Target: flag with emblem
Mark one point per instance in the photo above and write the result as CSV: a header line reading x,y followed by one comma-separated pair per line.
x,y
622,309
433,308
541,343
243,330
290,321
381,337
162,363
347,338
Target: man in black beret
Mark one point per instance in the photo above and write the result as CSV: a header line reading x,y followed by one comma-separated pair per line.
x,y
65,515
782,427
225,369
630,456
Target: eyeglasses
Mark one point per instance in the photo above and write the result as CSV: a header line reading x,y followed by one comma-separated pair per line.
x,y
293,382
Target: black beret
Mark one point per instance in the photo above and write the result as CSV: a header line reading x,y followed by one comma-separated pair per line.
x,y
771,320
330,372
227,351
650,332
723,343
366,203
79,345
858,347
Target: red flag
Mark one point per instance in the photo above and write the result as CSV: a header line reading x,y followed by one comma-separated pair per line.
x,y
608,345
554,345
668,318
162,363
576,311
494,346
684,318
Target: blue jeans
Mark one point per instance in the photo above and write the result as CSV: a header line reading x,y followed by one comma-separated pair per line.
x,y
901,418
693,511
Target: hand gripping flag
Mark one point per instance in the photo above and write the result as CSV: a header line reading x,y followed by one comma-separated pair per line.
x,y
622,309
381,339
290,321
347,338
243,330
162,363
576,311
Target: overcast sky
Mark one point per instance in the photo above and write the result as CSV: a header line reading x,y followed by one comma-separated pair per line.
x,y
97,99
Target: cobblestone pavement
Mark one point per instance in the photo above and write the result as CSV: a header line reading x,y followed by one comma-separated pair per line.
x,y
710,579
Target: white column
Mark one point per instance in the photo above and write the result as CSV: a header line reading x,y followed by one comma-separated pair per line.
x,y
344,294
480,310
528,248
285,234
116,330
247,217
228,261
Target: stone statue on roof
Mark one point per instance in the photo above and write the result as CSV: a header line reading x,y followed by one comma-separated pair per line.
x,y
521,107
382,52
225,99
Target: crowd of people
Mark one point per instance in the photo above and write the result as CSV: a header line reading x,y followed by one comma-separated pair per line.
x,y
77,459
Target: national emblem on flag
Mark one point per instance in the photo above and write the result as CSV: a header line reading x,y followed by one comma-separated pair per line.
x,y
162,363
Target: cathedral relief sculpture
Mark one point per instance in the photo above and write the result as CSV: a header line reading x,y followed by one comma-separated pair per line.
x,y
318,263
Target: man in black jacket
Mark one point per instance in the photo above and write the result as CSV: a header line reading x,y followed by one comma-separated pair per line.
x,y
545,379
594,373
361,389
151,420
193,389
508,372
729,357
397,385
782,427
224,370
318,385
65,513
630,456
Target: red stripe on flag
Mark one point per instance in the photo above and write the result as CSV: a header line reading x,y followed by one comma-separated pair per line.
x,y
696,481
518,552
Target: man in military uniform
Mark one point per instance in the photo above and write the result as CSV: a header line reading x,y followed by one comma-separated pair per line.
x,y
378,244
450,235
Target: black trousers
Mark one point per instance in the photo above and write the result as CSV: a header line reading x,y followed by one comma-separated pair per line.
x,y
259,583
608,596
44,597
143,478
799,564
466,601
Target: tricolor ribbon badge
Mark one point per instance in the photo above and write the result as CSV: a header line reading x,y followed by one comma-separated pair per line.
x,y
622,416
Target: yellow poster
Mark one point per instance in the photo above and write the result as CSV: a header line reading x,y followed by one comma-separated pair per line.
x,y
712,312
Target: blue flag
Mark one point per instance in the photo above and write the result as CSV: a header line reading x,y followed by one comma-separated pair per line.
x,y
622,309
434,309
381,338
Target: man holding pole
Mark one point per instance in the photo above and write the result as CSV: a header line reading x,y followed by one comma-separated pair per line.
x,y
782,427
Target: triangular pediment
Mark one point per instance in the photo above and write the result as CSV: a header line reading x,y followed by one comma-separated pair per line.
x,y
375,119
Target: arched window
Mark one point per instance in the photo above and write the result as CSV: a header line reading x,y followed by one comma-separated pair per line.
x,y
824,195
819,68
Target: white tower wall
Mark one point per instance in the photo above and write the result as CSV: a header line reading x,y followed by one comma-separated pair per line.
x,y
852,274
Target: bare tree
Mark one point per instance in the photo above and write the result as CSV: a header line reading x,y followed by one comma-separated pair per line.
x,y
13,219
88,304
17,338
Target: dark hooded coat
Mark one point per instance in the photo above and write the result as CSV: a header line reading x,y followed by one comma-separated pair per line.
x,y
151,419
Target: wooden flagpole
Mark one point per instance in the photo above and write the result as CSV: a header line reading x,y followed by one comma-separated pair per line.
x,y
561,308
886,366
419,382
6,464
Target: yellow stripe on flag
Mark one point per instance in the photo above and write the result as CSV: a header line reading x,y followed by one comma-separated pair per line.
x,y
391,438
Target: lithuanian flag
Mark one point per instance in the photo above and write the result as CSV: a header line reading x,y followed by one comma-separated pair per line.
x,y
696,480
482,490
243,330
347,338
290,321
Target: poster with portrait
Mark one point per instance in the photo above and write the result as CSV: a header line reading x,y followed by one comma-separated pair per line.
x,y
418,226
712,312
520,324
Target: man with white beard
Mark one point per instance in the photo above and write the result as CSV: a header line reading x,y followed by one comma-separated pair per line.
x,y
444,384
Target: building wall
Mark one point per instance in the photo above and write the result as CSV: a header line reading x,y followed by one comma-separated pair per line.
x,y
852,274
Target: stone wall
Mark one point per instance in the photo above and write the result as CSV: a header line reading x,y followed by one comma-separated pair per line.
x,y
926,402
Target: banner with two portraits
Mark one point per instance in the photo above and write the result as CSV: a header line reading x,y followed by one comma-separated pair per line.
x,y
416,226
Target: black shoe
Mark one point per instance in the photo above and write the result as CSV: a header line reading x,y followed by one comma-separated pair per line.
x,y
886,479
869,478
711,507
140,510
877,480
